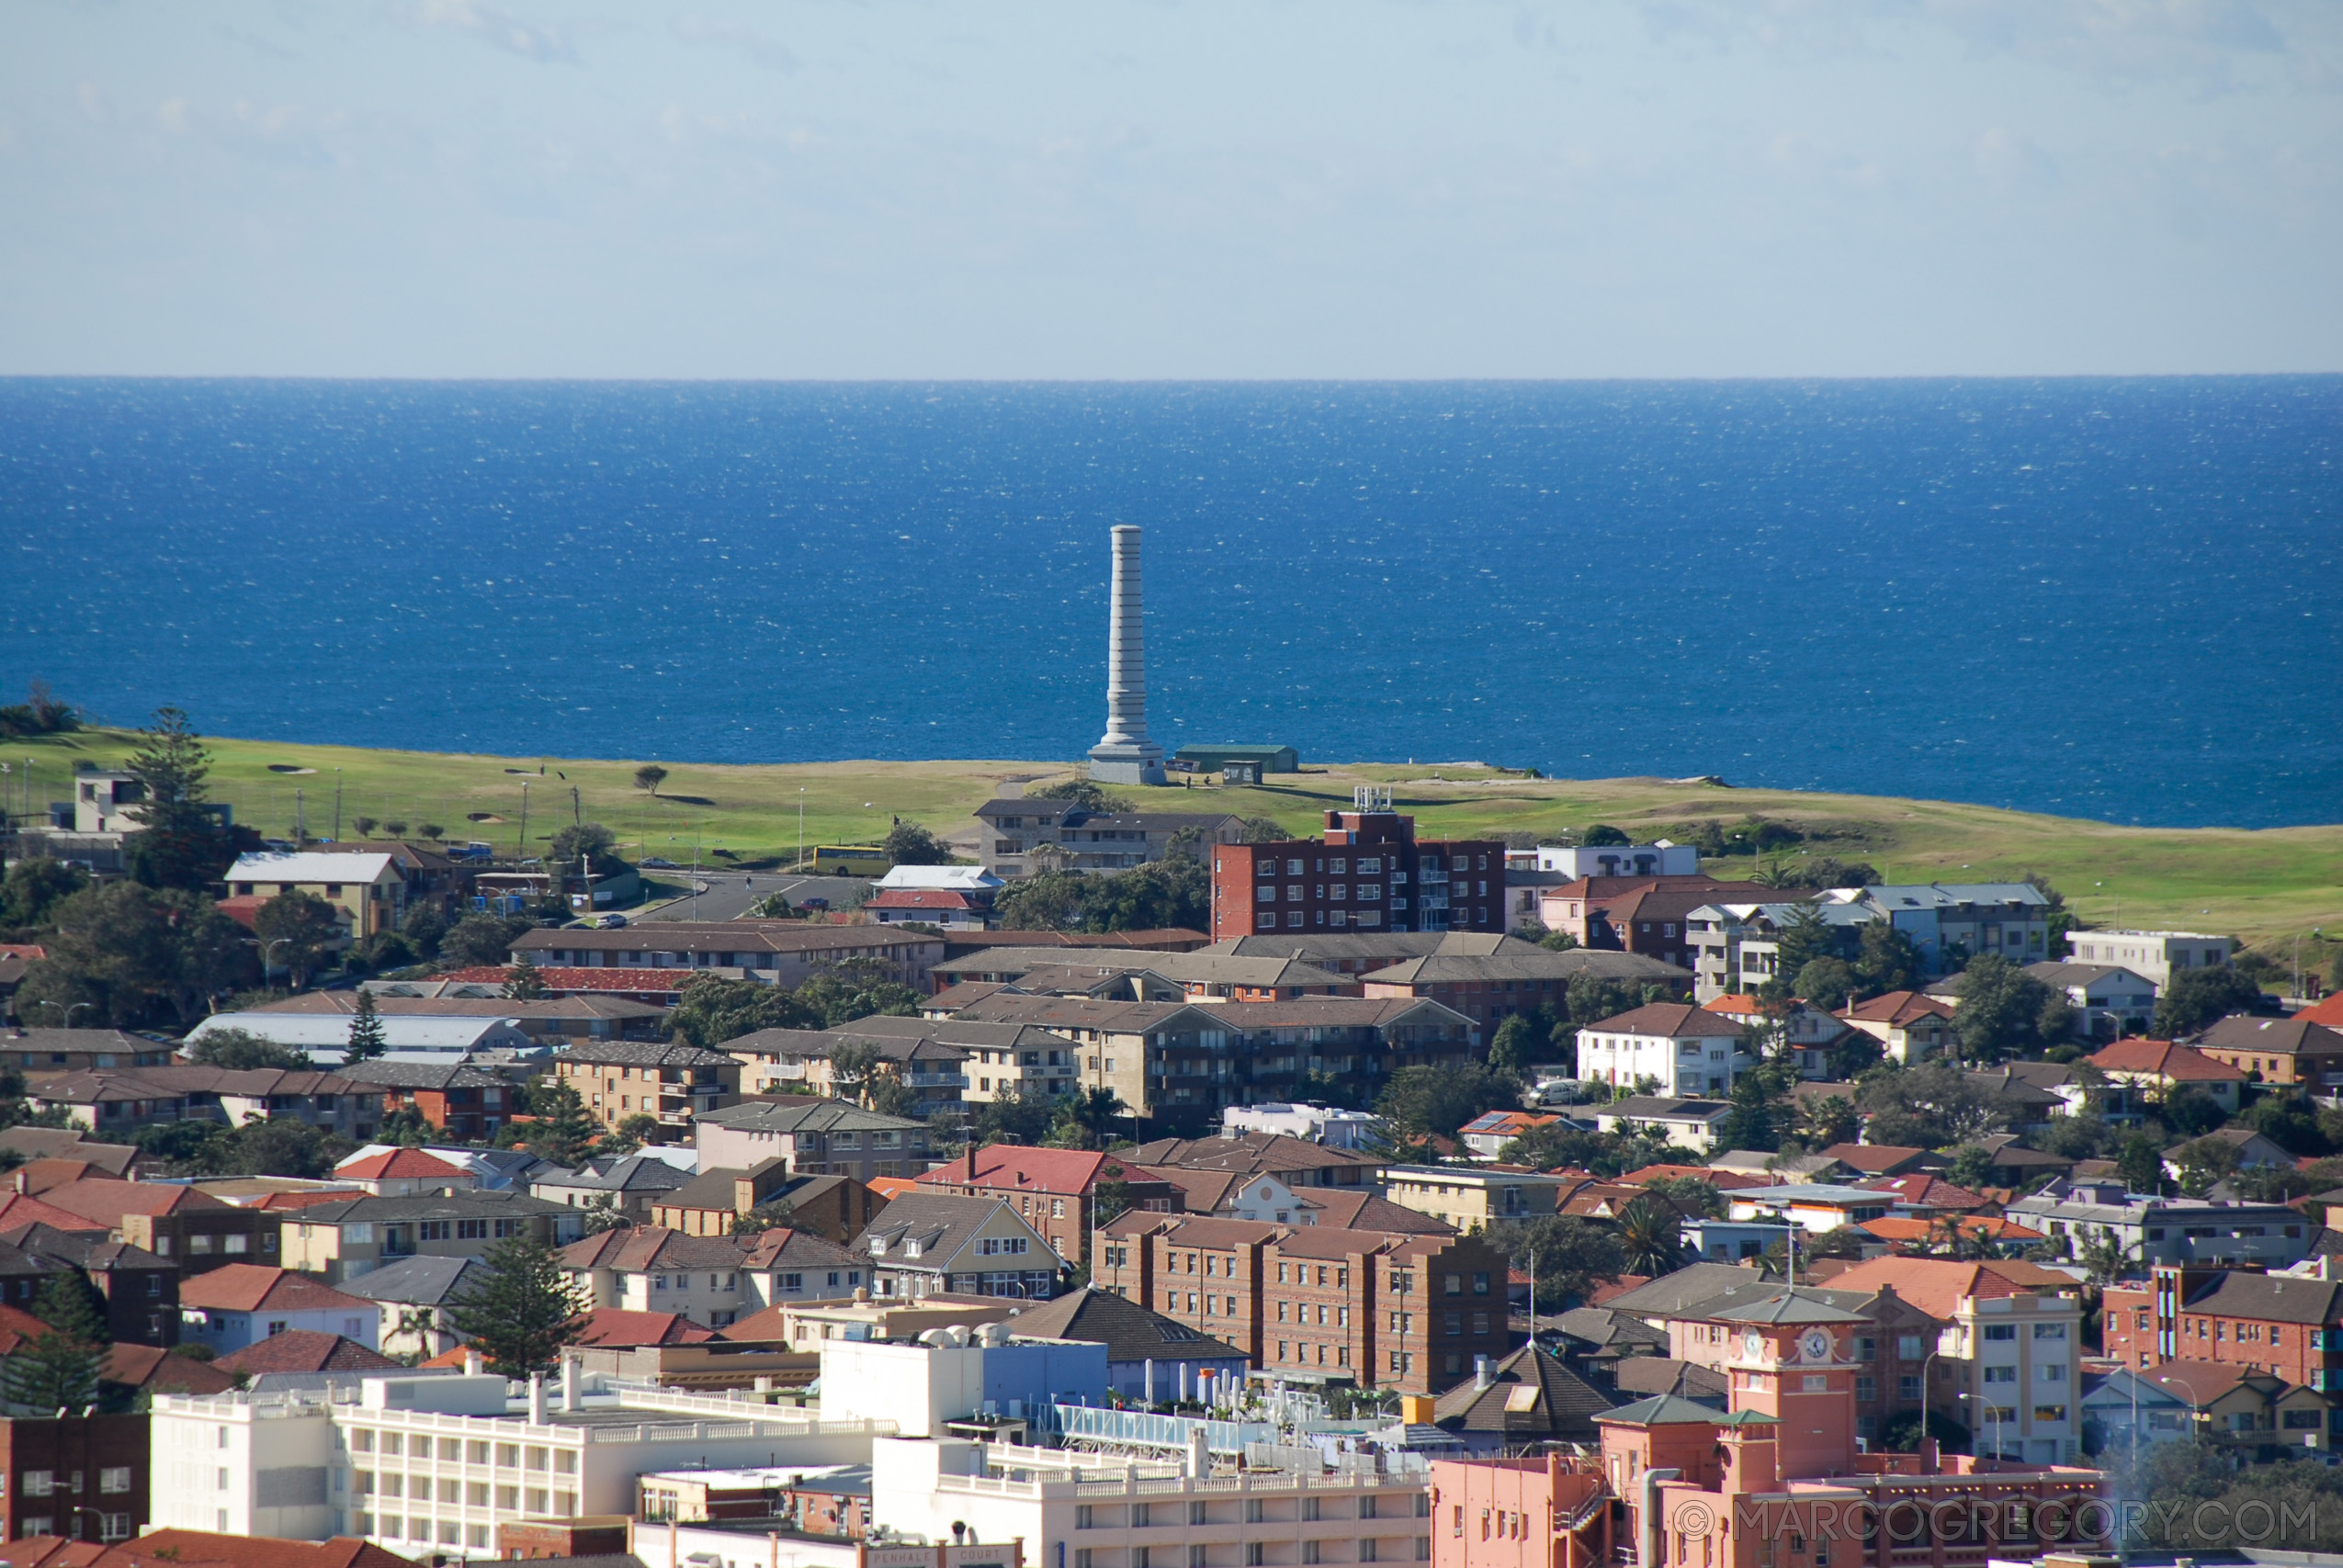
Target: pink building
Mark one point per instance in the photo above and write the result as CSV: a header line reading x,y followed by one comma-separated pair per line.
x,y
1777,1481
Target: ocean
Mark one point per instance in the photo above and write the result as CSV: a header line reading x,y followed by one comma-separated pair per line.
x,y
2115,598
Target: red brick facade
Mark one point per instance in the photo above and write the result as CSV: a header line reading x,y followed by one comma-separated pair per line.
x,y
1368,873
2279,1325
1407,1312
84,1477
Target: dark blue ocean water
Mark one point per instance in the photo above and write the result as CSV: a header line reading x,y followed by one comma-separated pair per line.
x,y
2106,598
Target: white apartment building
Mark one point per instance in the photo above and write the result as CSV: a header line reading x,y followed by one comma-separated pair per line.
x,y
1112,1513
434,1464
1337,1128
1684,1051
1659,858
2020,1358
2009,920
1736,947
2152,955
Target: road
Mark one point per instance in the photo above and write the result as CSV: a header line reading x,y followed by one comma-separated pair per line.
x,y
731,893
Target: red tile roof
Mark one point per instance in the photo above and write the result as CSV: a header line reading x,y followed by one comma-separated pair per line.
x,y
891,1186
1894,1008
1876,1159
920,898
157,1371
618,1328
305,1350
396,1163
200,1549
1016,1168
109,1200
17,1326
2181,1063
1672,1021
558,979
1922,1190
303,1200
1936,1285
1733,1004
2328,1013
253,1287
17,1209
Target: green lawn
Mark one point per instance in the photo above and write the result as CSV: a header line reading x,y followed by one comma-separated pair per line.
x,y
2266,885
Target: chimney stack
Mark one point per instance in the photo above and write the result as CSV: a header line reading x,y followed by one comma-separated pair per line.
x,y
537,1399
572,1400
1481,1378
472,1363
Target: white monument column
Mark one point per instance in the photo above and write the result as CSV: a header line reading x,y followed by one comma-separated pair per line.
x,y
1124,755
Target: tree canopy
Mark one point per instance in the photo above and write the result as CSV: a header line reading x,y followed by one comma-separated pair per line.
x,y
522,1311
240,1049
1086,792
482,941
367,1039
181,842
1931,1106
2004,1011
1435,1101
297,932
908,843
2194,999
591,840
135,954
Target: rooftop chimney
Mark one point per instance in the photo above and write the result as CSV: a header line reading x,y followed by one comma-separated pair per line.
x,y
1481,1372
472,1363
572,1399
537,1399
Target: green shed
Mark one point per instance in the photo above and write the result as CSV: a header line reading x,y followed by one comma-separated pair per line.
x,y
1212,759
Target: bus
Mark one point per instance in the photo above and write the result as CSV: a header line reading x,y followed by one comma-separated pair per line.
x,y
851,860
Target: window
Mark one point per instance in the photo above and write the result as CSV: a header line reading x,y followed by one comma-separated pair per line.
x,y
472,1230
40,1482
2050,1331
2001,1374
2001,1331
1910,1347
2050,1412
432,1230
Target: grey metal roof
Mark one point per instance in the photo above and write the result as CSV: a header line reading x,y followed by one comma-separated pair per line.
x,y
631,1053
1659,1410
635,1173
1788,1306
813,1116
1129,1331
943,1226
424,1206
418,1281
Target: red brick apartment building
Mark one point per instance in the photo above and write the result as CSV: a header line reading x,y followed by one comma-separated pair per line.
x,y
2293,1328
1369,872
1052,1190
1401,1312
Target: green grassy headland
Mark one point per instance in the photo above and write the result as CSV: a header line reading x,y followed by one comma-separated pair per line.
x,y
2267,886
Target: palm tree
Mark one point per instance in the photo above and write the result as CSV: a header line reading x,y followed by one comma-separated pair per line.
x,y
2103,1257
1650,1236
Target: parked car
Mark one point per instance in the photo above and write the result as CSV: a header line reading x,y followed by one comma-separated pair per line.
x,y
813,903
658,862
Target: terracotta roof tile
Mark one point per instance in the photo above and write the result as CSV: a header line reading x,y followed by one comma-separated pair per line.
x,y
614,1327
250,1287
305,1350
395,1163
2181,1063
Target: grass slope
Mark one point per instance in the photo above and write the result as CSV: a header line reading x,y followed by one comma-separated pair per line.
x,y
2266,885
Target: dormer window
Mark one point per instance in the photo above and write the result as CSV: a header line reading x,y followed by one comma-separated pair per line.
x,y
911,1249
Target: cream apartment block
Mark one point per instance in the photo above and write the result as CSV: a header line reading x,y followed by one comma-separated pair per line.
x,y
369,892
2008,1363
2153,956
1472,1200
421,1464
344,1240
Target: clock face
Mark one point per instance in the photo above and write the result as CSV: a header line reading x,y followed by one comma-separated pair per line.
x,y
1816,1346
1753,1344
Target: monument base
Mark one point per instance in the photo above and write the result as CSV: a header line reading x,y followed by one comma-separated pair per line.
x,y
1126,765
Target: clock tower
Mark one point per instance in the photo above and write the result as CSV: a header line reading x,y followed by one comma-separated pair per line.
x,y
1793,1360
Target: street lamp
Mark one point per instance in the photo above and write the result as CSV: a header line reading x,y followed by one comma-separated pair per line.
x,y
69,1012
266,948
1986,1409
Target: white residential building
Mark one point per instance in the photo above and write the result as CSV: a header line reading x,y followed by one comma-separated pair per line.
x,y
2009,920
1683,1051
1657,859
431,1464
1321,1124
2154,955
1114,1513
1736,947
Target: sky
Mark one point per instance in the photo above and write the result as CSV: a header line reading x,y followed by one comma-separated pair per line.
x,y
1126,189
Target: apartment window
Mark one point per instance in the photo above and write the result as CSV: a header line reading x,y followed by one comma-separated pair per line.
x,y
2050,1331
1253,1554
1309,1551
1910,1347
2001,1331
1310,1510
114,1478
40,1482
1866,1389
431,1230
472,1230
1908,1386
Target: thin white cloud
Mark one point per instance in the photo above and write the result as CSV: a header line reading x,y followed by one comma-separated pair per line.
x,y
498,30
712,32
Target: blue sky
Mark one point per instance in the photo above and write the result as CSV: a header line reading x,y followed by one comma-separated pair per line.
x,y
1288,188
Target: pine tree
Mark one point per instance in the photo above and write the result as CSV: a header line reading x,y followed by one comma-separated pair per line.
x,y
564,1131
523,1311
367,1041
59,1369
527,984
180,842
